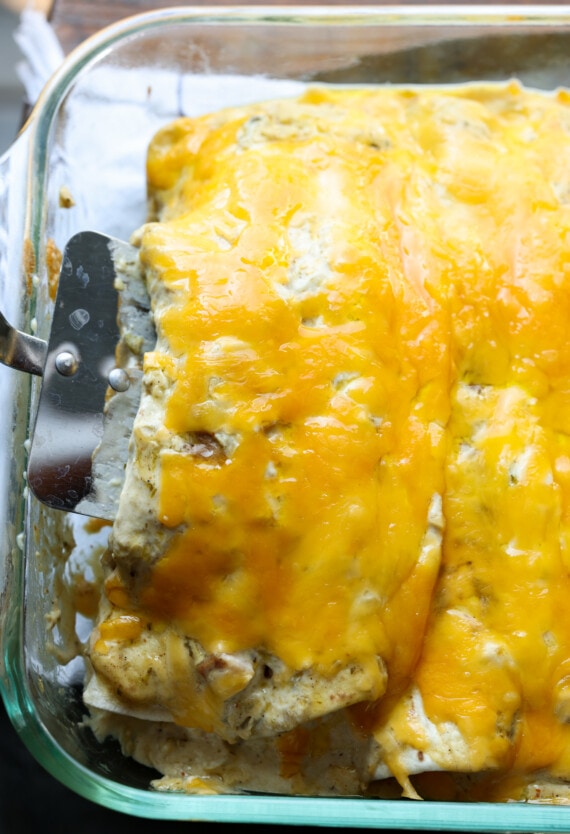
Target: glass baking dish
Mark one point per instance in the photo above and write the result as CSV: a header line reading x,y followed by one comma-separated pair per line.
x,y
88,135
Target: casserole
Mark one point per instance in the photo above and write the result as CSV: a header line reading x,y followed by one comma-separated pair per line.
x,y
43,691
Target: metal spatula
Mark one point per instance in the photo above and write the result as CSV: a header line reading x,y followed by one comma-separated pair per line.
x,y
79,365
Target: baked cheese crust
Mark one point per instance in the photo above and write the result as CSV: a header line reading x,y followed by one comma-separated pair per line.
x,y
347,504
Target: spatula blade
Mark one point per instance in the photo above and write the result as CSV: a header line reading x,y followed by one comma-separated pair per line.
x,y
72,420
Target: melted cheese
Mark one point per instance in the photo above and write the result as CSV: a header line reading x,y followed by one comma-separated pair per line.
x,y
291,328
362,302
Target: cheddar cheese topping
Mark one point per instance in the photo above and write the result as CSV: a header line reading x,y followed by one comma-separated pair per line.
x,y
347,509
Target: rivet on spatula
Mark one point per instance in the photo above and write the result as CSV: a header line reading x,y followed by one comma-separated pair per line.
x,y
66,363
119,379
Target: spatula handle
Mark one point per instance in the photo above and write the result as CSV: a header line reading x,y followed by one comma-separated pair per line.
x,y
20,350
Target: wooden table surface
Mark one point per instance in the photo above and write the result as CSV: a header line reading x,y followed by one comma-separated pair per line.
x,y
74,20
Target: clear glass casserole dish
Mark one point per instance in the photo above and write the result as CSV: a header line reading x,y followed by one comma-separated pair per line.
x,y
88,134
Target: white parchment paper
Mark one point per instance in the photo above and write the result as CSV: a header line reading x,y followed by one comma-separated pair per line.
x,y
106,123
